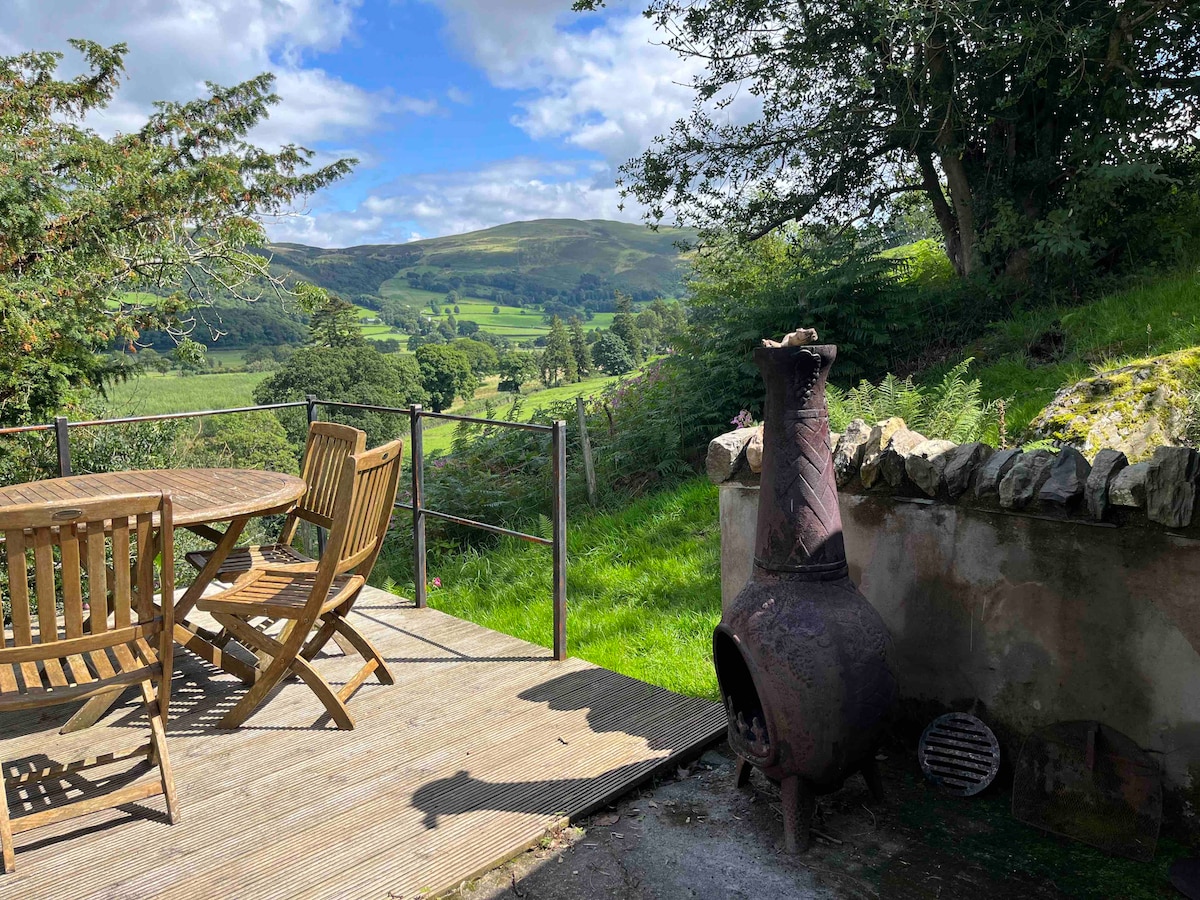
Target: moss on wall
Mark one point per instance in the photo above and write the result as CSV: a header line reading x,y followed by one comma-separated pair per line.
x,y
1135,408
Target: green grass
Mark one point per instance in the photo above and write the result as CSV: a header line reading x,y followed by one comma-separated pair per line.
x,y
227,358
150,394
1159,315
644,587
438,438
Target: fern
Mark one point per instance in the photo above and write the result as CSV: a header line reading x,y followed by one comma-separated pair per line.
x,y
953,409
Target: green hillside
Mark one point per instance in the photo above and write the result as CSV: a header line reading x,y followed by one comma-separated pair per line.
x,y
576,262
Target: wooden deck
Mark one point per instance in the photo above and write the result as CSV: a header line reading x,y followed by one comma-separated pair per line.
x,y
482,744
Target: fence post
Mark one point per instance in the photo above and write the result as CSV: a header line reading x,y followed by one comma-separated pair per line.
x,y
420,576
62,440
559,452
589,468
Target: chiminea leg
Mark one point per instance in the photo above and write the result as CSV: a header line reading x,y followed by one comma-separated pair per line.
x,y
870,773
743,772
799,806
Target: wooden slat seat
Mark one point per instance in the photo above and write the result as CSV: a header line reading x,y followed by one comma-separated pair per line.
x,y
243,559
94,559
281,594
318,599
328,447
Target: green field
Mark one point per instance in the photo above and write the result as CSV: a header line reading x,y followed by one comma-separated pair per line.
x,y
150,393
438,438
227,358
512,322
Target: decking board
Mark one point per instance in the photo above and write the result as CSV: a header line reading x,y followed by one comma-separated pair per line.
x,y
482,744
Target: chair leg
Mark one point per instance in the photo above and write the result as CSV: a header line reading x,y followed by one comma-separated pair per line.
x,y
333,703
92,711
318,640
158,743
360,643
6,840
267,678
284,660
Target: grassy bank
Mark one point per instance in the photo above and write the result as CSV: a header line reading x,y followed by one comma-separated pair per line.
x,y
1030,357
644,587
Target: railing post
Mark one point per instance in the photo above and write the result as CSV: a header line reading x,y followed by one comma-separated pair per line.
x,y
420,575
311,400
62,440
558,443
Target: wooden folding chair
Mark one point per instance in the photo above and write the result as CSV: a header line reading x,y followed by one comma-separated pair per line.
x,y
317,598
329,446
103,551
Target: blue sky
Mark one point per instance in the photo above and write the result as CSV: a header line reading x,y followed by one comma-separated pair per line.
x,y
464,113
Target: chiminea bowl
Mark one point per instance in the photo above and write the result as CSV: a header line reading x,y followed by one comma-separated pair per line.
x,y
802,659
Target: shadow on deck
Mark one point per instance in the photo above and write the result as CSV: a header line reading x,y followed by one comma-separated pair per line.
x,y
482,744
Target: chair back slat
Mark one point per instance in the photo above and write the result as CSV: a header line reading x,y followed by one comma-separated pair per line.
x,y
72,579
122,595
86,535
145,567
376,477
43,579
97,574
18,585
329,446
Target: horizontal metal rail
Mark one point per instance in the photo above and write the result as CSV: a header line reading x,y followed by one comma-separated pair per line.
x,y
472,523
160,417
523,426
157,417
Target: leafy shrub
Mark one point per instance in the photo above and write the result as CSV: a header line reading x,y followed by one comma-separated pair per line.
x,y
953,409
253,440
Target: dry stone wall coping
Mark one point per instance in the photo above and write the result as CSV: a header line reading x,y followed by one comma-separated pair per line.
x,y
889,458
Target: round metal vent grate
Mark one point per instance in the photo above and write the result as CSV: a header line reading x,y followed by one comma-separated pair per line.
x,y
959,754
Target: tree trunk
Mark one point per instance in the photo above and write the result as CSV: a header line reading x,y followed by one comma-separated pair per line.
x,y
964,213
946,219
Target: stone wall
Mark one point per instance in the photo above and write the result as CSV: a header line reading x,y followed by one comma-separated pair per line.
x,y
1042,586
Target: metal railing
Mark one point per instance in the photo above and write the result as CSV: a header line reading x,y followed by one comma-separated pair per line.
x,y
558,449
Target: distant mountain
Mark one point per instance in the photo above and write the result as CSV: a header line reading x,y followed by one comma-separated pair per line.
x,y
579,263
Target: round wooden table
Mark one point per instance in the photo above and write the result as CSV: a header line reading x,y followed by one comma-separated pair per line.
x,y
199,498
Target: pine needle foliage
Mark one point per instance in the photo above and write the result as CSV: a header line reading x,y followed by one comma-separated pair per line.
x,y
953,409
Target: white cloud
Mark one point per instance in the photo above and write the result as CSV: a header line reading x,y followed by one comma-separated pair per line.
x,y
456,202
606,85
175,46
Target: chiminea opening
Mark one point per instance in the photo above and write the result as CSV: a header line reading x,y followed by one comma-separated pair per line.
x,y
744,707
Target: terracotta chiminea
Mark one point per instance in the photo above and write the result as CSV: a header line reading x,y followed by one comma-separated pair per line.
x,y
802,659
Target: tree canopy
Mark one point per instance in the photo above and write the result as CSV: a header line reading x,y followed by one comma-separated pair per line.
x,y
446,374
104,238
1005,115
611,354
334,323
352,375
